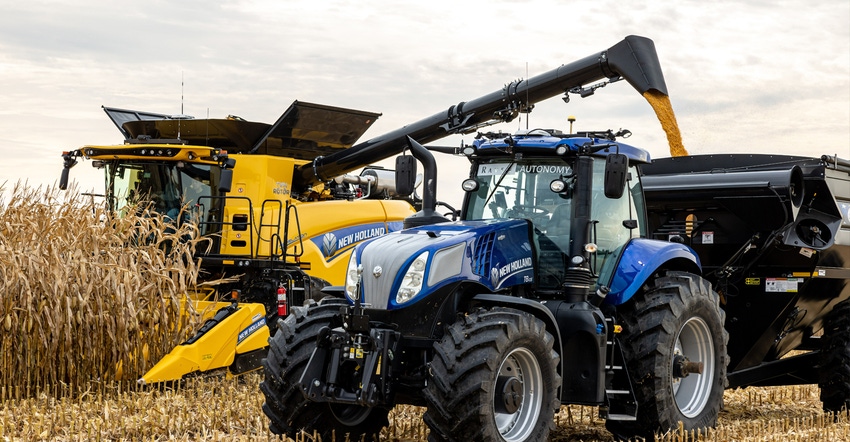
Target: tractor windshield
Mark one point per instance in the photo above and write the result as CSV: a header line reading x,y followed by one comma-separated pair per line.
x,y
521,190
169,188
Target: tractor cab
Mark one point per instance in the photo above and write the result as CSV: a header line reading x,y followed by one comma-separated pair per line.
x,y
537,177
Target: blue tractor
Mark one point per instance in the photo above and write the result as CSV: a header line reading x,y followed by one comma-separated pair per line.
x,y
576,272
545,291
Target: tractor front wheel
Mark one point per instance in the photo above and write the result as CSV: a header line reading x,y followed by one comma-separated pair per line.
x,y
286,406
674,344
493,378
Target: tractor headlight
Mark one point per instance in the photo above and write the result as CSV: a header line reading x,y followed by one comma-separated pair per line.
x,y
352,277
411,283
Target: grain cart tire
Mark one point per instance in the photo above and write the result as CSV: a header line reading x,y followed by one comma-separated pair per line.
x,y
677,319
493,378
834,364
287,408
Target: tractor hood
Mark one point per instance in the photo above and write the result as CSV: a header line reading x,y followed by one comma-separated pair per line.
x,y
401,268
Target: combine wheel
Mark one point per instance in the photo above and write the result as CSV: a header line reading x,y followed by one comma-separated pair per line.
x,y
674,343
287,408
493,378
834,365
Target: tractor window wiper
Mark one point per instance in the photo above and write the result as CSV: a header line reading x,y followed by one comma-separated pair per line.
x,y
498,182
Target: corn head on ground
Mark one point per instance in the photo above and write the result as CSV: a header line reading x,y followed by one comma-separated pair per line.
x,y
88,302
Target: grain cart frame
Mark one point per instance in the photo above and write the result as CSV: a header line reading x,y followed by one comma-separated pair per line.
x,y
773,234
492,322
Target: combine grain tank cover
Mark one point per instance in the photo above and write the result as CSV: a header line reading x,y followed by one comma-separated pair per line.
x,y
304,131
327,126
121,116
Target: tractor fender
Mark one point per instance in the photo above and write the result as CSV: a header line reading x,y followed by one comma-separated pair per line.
x,y
641,258
529,306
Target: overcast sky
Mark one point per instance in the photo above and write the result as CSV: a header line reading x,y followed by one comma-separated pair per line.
x,y
743,76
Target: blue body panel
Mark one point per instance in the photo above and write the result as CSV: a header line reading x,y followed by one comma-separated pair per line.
x,y
496,254
640,259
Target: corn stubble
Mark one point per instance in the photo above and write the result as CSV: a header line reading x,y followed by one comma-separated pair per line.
x,y
89,302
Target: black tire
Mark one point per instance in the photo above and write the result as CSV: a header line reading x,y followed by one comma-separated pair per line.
x,y
471,368
834,363
287,408
677,315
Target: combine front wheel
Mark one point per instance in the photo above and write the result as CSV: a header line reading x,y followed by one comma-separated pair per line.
x,y
674,343
493,378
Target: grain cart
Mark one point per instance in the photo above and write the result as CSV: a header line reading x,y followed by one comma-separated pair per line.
x,y
277,239
773,235
546,292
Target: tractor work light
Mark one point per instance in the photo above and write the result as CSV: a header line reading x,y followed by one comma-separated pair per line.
x,y
469,185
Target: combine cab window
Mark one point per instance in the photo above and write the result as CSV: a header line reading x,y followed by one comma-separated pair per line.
x,y
167,188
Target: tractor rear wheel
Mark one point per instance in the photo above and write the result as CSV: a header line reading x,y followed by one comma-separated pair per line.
x,y
493,378
674,344
834,364
287,408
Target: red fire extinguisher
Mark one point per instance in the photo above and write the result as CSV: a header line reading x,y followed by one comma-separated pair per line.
x,y
281,302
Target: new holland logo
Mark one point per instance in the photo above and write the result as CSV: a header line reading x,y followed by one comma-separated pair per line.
x,y
329,244
333,244
248,331
494,276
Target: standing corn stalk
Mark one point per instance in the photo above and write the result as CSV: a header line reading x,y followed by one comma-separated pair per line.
x,y
84,295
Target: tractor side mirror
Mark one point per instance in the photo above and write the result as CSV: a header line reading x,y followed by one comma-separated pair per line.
x,y
405,174
616,171
225,181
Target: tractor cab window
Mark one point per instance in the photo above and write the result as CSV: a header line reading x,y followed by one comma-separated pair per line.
x,y
522,190
167,188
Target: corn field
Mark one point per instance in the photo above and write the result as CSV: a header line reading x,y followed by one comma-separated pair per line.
x,y
86,296
89,301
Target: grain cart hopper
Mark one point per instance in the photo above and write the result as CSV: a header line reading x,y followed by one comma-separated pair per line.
x,y
546,292
773,235
279,240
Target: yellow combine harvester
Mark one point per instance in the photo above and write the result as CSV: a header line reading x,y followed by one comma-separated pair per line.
x,y
278,239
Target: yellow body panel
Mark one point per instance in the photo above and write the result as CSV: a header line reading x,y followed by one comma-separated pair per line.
x,y
242,331
329,229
